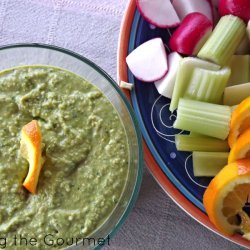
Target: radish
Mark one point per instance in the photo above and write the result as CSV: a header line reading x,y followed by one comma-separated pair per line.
x,y
240,8
190,36
185,7
160,13
165,86
148,62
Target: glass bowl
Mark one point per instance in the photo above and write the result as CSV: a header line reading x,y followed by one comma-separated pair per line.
x,y
41,54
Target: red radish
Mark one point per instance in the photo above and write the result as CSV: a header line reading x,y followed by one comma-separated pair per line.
x,y
165,86
148,62
185,7
240,8
161,13
190,36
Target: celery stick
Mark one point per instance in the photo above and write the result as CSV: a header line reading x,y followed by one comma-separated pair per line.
x,y
208,163
203,118
224,40
186,67
207,85
234,95
200,143
240,69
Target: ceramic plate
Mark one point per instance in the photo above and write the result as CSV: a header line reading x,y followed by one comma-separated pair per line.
x,y
172,169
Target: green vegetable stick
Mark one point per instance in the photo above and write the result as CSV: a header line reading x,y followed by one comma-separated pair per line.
x,y
224,40
186,68
234,95
203,118
208,163
200,143
207,85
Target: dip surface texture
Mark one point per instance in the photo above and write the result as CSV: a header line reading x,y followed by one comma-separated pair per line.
x,y
85,147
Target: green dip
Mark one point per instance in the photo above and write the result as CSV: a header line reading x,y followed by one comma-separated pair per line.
x,y
85,147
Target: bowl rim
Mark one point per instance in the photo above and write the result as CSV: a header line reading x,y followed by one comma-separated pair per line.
x,y
168,187
135,123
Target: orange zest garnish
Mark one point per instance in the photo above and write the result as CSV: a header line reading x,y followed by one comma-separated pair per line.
x,y
31,150
226,196
240,121
241,148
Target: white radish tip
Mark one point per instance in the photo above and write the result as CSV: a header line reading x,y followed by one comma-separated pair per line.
x,y
165,86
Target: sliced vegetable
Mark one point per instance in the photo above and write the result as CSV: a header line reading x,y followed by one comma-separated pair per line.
x,y
241,148
126,85
226,196
185,7
160,13
200,143
184,73
208,164
203,118
240,67
224,40
240,121
207,85
234,95
191,35
240,8
148,62
165,86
